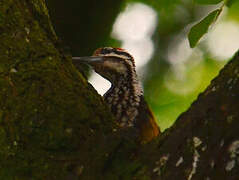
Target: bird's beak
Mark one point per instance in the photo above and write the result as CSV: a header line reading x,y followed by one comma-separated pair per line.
x,y
92,60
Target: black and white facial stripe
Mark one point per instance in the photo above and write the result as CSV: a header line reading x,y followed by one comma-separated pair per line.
x,y
118,51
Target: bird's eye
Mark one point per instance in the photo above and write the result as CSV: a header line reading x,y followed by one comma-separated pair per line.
x,y
105,51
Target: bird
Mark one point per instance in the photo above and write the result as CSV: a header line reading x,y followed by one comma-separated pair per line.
x,y
125,96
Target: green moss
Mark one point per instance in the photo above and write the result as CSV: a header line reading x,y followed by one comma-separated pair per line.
x,y
47,110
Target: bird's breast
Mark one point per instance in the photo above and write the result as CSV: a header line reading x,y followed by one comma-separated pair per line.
x,y
123,105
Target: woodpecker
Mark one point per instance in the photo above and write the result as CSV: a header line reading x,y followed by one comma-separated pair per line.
x,y
125,96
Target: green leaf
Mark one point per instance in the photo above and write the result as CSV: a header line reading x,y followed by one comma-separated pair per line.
x,y
198,30
208,1
230,2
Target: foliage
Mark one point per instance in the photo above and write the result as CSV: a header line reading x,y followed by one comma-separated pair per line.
x,y
198,30
207,1
201,28
174,18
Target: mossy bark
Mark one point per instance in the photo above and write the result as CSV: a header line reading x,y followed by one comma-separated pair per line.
x,y
48,111
53,125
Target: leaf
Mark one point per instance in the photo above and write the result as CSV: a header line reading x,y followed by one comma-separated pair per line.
x,y
198,30
207,1
230,2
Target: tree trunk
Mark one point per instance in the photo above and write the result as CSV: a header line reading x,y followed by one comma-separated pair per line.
x,y
55,126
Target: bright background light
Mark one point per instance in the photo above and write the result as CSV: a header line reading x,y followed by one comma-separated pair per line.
x,y
223,40
134,28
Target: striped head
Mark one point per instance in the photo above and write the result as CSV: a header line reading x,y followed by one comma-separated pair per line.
x,y
116,64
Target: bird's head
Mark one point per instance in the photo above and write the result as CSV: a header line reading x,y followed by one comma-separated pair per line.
x,y
111,63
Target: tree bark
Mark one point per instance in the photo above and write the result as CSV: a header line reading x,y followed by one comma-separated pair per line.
x,y
53,125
